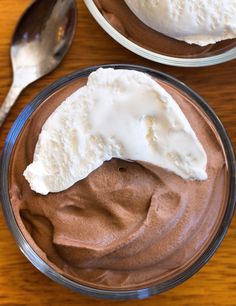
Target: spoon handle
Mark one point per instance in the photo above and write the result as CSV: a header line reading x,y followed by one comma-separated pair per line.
x,y
9,102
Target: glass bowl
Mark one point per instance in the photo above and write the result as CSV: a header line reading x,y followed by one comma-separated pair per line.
x,y
48,270
152,45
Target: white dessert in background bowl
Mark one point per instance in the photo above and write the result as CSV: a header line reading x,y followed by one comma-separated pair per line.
x,y
198,22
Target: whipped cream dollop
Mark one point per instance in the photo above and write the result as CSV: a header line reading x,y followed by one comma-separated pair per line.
x,y
119,114
198,22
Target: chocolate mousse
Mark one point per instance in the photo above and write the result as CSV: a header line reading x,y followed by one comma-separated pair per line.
x,y
118,14
127,225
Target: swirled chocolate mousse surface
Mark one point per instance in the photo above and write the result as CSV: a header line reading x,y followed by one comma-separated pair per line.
x,y
128,224
119,15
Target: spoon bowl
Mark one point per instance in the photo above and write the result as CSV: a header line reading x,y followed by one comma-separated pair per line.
x,y
40,42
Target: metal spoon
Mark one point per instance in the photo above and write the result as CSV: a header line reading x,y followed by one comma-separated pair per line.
x,y
41,40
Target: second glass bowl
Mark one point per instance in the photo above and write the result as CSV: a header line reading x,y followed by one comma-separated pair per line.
x,y
121,24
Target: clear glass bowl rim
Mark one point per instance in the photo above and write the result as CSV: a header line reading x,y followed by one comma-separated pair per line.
x,y
153,56
43,266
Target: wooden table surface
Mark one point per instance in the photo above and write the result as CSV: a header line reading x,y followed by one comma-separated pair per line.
x,y
20,282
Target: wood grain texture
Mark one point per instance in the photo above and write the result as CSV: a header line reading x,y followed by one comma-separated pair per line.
x,y
20,282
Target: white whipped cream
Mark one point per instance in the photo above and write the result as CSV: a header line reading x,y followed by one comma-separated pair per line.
x,y
119,113
200,22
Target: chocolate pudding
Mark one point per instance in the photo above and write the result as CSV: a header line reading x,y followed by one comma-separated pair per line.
x,y
127,225
118,14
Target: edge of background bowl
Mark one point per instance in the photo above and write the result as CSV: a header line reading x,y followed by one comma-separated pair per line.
x,y
155,57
